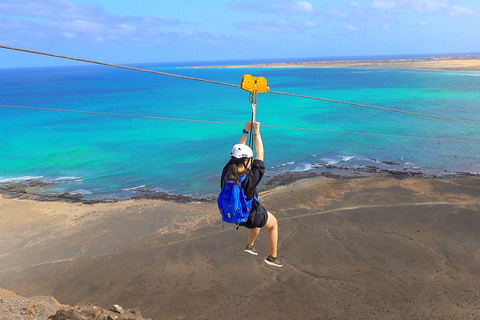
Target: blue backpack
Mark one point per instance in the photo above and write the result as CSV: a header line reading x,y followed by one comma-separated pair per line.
x,y
232,203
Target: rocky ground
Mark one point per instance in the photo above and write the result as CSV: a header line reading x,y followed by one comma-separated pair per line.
x,y
369,248
14,307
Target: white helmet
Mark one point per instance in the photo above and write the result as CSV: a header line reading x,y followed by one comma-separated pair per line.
x,y
241,151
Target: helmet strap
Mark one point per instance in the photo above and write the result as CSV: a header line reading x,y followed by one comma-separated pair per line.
x,y
246,166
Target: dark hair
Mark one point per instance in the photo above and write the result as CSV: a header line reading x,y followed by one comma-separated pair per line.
x,y
233,174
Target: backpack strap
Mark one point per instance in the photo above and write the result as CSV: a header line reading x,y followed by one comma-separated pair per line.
x,y
240,180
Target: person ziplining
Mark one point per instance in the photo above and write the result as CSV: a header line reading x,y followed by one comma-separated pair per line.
x,y
238,200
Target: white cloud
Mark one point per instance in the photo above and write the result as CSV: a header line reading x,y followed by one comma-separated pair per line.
x,y
15,25
338,14
420,24
355,4
352,28
379,5
69,35
310,24
277,26
304,7
53,19
384,4
253,6
127,29
462,10
366,17
82,26
272,7
417,5
421,6
280,26
59,9
427,5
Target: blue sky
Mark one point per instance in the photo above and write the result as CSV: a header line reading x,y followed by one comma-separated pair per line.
x,y
137,31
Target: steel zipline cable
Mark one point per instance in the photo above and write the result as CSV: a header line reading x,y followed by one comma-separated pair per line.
x,y
237,86
378,108
234,123
118,66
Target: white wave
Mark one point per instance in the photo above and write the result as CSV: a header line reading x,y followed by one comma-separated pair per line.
x,y
368,159
330,161
304,167
285,164
157,189
460,73
68,178
410,165
369,71
348,158
81,191
19,179
134,188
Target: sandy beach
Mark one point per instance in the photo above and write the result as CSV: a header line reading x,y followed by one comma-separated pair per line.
x,y
448,63
366,248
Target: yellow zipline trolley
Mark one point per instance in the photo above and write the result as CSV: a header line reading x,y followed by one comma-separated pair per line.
x,y
254,85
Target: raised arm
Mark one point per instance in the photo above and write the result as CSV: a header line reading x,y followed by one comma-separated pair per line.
x,y
258,141
243,139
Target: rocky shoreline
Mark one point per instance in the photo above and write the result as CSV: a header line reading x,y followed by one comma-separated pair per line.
x,y
30,191
340,172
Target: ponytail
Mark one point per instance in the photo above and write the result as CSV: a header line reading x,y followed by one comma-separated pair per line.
x,y
233,174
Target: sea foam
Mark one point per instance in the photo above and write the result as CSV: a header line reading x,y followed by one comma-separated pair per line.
x,y
19,179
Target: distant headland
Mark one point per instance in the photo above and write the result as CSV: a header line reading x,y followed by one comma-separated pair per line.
x,y
450,63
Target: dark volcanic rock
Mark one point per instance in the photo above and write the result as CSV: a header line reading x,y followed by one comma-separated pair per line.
x,y
96,313
36,183
180,198
15,187
287,178
392,163
71,196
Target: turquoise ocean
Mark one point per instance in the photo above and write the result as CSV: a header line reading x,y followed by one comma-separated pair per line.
x,y
114,157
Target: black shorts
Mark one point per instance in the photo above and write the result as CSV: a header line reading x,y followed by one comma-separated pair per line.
x,y
257,218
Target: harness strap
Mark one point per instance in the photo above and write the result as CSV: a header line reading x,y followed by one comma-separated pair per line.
x,y
253,102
